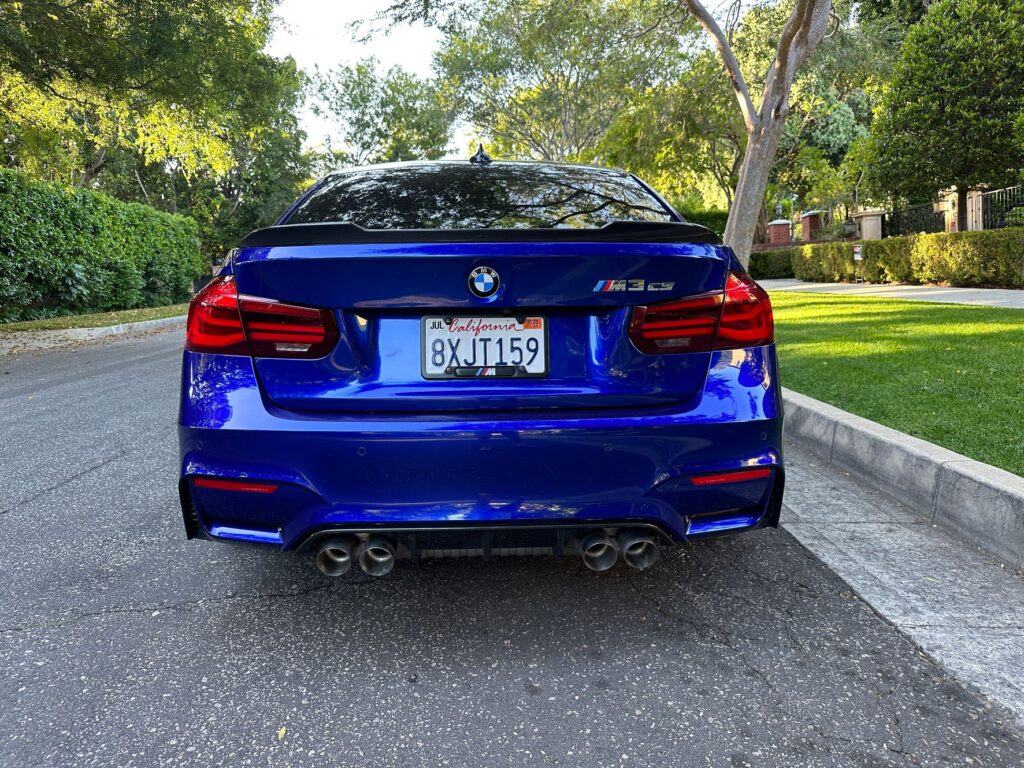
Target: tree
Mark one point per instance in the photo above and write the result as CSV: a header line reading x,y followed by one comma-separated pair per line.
x,y
803,30
685,136
267,170
947,117
81,81
186,53
546,79
384,118
905,13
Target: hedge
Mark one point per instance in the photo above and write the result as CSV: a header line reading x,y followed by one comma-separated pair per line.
x,y
69,252
768,265
990,259
712,219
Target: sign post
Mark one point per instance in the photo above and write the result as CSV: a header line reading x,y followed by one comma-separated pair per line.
x,y
858,257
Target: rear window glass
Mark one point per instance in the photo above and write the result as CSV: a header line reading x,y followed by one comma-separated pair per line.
x,y
498,196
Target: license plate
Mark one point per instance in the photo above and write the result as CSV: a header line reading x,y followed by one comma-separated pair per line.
x,y
471,347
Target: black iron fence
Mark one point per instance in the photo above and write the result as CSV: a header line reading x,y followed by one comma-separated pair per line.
x,y
1003,208
912,220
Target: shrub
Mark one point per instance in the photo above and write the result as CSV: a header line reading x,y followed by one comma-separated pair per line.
x,y
773,264
64,251
993,258
713,219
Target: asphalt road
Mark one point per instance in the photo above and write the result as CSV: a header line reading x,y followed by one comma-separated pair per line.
x,y
123,644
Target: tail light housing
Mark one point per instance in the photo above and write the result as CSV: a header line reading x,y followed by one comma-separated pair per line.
x,y
221,321
740,316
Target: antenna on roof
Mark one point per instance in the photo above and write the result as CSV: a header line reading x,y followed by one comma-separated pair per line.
x,y
481,157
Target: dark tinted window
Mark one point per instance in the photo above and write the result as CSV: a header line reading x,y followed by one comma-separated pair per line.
x,y
500,196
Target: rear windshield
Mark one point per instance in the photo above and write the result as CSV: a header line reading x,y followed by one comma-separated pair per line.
x,y
497,196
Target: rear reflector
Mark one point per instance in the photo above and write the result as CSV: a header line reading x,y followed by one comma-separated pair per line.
x,y
737,476
219,320
242,486
740,316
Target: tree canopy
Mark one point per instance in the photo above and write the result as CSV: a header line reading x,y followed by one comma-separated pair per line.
x,y
947,117
169,80
547,79
383,117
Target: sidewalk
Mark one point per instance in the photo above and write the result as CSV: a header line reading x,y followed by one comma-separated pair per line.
x,y
988,297
961,606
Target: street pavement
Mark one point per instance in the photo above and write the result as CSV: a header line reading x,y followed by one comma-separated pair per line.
x,y
123,644
986,297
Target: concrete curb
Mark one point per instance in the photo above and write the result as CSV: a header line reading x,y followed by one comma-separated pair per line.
x,y
36,341
977,501
116,330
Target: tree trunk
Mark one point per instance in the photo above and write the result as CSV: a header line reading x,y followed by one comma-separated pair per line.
x,y
961,208
803,31
749,199
93,170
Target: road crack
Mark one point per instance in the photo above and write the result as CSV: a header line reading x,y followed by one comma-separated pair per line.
x,y
152,610
62,483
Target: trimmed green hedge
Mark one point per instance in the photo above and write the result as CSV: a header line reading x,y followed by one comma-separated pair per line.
x,y
769,265
992,259
713,219
69,252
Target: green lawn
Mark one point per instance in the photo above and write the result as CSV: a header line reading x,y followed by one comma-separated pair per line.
x,y
96,321
948,373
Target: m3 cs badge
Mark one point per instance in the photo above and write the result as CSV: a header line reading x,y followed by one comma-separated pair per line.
x,y
604,286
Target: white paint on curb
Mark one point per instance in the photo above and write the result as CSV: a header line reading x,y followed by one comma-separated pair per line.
x,y
977,501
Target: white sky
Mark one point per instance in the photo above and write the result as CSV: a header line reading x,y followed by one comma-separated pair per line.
x,y
317,33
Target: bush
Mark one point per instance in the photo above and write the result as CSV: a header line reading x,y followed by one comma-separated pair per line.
x,y
773,264
713,219
993,258
68,252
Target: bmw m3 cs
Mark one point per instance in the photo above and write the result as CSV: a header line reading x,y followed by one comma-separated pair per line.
x,y
487,358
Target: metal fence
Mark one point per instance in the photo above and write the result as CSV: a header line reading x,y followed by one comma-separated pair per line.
x,y
910,221
1003,208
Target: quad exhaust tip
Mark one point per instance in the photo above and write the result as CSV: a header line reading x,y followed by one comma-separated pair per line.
x,y
334,555
599,551
639,549
376,556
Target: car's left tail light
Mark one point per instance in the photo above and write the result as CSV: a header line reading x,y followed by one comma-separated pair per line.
x,y
219,320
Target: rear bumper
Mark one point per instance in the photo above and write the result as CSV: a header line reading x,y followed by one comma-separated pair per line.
x,y
516,476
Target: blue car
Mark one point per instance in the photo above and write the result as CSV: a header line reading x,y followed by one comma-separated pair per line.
x,y
485,358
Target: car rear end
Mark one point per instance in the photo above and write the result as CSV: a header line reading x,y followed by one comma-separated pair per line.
x,y
440,359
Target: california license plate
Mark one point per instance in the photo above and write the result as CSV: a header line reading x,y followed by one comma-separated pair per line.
x,y
469,347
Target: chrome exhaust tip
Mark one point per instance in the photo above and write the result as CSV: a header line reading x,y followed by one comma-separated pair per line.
x,y
639,549
334,555
376,556
599,551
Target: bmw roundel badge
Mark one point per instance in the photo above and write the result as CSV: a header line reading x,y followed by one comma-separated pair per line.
x,y
484,282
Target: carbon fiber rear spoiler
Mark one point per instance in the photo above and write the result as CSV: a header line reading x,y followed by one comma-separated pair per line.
x,y
344,233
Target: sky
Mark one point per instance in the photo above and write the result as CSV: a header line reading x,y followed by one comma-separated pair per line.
x,y
318,34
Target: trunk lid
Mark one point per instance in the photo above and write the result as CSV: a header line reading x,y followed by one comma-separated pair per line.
x,y
380,293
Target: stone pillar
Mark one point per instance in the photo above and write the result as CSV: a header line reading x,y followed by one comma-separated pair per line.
x,y
810,222
869,224
780,232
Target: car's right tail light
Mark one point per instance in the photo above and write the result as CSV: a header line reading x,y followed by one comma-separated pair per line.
x,y
740,316
219,320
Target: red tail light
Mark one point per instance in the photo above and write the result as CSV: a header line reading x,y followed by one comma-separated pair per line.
x,y
741,316
219,320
